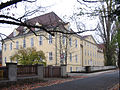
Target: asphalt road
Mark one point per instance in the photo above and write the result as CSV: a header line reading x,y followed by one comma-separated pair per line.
x,y
99,82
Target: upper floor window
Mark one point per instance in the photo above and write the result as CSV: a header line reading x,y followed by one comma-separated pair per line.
x,y
40,40
50,39
32,42
10,46
85,52
70,41
76,58
63,40
70,57
50,56
5,47
24,43
17,45
76,43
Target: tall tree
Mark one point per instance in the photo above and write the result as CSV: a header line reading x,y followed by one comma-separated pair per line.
x,y
107,13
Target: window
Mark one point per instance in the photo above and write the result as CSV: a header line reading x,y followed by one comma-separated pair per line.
x,y
76,43
77,68
50,56
50,39
70,57
63,40
5,47
24,43
85,52
76,58
14,33
70,69
17,45
40,40
5,59
70,41
32,42
10,46
88,53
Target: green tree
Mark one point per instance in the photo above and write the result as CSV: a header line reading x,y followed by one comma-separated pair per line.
x,y
29,56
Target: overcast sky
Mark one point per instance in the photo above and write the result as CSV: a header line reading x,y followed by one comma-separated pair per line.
x,y
60,7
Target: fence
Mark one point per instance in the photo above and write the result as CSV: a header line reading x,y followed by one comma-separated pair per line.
x,y
12,71
3,72
26,70
52,71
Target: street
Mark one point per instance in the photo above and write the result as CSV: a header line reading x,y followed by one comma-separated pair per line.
x,y
102,81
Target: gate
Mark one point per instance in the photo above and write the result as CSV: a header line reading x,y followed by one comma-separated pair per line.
x,y
52,71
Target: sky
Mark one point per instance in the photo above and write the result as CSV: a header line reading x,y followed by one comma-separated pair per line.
x,y
61,7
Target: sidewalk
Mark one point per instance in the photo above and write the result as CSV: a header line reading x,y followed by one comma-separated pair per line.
x,y
89,74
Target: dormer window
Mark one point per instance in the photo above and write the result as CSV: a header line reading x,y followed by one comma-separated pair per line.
x,y
25,30
14,33
37,24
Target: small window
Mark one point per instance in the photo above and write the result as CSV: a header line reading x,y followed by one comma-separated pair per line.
x,y
50,56
70,57
40,40
5,47
50,39
32,42
10,46
17,45
24,43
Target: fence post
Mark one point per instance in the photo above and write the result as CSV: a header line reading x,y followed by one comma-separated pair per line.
x,y
63,71
12,71
40,71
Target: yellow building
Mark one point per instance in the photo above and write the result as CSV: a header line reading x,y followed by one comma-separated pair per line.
x,y
71,49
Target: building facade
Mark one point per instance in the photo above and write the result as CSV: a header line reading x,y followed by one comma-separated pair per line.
x,y
72,50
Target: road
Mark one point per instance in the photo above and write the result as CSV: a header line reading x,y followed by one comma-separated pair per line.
x,y
96,82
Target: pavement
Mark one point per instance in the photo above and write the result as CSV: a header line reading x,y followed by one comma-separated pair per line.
x,y
95,81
